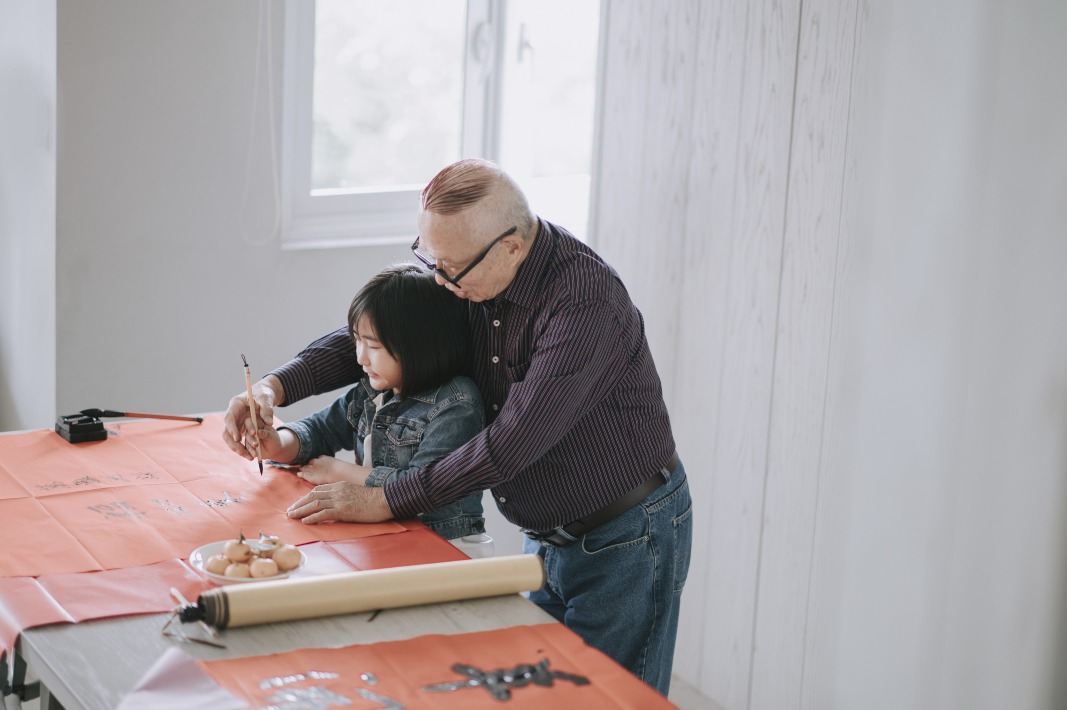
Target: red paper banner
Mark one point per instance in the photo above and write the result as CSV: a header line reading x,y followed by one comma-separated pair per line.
x,y
402,669
151,491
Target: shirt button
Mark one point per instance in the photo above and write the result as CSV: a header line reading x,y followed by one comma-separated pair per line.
x,y
495,359
503,499
496,324
496,407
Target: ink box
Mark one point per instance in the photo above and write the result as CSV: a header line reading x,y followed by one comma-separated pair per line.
x,y
78,428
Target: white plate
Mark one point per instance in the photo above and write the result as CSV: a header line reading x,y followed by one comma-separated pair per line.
x,y
202,553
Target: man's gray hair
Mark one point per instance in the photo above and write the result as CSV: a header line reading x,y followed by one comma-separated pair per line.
x,y
473,182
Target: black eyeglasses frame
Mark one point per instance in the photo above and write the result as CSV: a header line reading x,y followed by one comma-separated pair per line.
x,y
454,280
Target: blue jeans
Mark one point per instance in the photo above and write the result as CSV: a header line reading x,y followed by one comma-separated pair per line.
x,y
619,586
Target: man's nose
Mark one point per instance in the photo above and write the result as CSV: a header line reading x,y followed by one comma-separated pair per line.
x,y
442,281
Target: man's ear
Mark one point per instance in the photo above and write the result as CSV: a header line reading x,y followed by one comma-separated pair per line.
x,y
513,243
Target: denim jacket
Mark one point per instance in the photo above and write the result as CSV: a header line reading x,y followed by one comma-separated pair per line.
x,y
409,433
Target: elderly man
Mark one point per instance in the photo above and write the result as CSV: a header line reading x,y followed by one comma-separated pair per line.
x,y
578,451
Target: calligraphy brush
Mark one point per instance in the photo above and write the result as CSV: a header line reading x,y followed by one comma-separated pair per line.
x,y
252,410
137,415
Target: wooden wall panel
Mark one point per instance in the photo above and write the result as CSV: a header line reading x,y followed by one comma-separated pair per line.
x,y
619,180
713,329
648,168
917,269
810,238
665,159
698,361
737,461
831,520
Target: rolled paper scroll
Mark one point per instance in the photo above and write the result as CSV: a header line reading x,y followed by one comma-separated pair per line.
x,y
370,590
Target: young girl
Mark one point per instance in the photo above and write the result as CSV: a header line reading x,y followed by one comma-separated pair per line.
x,y
411,407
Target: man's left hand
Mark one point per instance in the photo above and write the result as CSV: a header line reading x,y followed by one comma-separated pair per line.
x,y
342,502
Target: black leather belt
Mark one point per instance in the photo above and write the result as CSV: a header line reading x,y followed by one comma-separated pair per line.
x,y
609,512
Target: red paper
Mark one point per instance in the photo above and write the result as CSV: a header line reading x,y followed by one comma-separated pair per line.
x,y
25,603
124,592
9,487
417,547
46,464
36,543
403,668
152,491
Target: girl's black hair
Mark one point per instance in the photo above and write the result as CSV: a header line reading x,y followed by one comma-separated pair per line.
x,y
419,323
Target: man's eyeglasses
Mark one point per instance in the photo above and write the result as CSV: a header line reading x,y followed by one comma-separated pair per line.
x,y
454,280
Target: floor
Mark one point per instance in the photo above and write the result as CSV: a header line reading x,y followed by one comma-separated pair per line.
x,y
687,697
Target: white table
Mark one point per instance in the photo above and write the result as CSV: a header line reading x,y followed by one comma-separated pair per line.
x,y
94,664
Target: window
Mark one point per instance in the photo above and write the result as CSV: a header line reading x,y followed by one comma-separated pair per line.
x,y
378,99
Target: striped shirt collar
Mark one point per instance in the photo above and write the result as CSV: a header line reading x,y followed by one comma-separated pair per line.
x,y
525,288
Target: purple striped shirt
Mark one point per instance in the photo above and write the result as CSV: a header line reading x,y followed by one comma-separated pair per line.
x,y
573,400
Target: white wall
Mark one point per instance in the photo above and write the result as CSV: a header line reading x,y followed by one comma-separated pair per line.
x,y
870,394
165,277
27,214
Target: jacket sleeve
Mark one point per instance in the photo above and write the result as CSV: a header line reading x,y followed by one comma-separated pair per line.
x,y
327,431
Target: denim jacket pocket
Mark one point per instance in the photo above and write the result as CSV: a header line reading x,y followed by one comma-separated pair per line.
x,y
404,437
405,432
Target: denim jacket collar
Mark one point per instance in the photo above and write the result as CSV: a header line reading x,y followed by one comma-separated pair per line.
x,y
426,396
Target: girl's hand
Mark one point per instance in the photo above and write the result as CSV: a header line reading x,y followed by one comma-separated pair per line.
x,y
327,469
279,445
273,445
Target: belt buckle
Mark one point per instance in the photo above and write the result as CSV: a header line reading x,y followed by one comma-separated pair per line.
x,y
535,535
551,538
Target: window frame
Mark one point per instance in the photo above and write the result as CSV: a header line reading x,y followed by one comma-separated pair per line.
x,y
374,216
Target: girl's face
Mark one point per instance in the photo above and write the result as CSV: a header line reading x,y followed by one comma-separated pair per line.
x,y
381,368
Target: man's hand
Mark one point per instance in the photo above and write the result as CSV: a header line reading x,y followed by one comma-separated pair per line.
x,y
343,502
237,424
